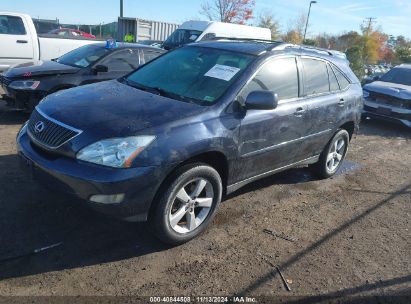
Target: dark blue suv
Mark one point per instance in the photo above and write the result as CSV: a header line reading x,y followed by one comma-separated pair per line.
x,y
166,142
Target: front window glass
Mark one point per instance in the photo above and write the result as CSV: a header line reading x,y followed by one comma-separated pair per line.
x,y
279,76
12,25
192,74
122,61
181,37
83,57
399,76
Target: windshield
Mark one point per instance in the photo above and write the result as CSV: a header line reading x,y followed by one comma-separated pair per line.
x,y
399,76
192,74
84,56
181,37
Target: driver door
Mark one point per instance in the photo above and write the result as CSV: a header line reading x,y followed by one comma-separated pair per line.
x,y
118,63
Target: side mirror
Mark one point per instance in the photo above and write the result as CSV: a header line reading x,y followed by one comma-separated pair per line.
x,y
261,100
100,69
376,78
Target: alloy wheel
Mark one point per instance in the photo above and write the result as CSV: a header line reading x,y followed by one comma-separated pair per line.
x,y
191,206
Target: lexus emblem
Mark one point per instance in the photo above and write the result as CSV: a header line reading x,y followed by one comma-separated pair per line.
x,y
39,127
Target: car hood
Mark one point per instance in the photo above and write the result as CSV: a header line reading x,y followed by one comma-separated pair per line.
x,y
111,109
40,68
393,89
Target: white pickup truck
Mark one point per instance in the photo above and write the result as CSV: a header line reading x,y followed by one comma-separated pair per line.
x,y
19,41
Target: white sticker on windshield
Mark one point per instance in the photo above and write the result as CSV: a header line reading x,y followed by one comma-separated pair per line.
x,y
193,37
223,72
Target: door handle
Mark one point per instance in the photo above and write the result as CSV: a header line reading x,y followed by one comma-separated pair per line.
x,y
22,41
341,103
299,112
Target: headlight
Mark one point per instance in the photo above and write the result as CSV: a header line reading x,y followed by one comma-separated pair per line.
x,y
115,152
25,84
365,93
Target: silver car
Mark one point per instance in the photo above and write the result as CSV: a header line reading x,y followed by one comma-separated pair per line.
x,y
389,98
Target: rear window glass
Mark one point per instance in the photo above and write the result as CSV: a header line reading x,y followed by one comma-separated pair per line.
x,y
342,80
315,76
11,25
333,80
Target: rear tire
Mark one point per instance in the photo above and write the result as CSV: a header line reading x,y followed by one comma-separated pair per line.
x,y
186,204
333,155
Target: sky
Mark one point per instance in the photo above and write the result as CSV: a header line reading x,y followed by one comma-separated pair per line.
x,y
329,16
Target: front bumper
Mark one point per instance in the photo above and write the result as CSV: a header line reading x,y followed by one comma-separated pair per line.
x,y
388,113
22,99
83,180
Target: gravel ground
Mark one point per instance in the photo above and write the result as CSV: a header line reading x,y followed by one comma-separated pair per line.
x,y
346,236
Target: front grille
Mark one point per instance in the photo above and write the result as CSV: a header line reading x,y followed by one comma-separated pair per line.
x,y
48,132
390,100
4,80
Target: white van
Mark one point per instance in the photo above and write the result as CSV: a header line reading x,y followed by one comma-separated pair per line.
x,y
193,31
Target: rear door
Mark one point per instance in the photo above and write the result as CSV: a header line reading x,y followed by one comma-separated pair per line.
x,y
321,91
16,41
270,139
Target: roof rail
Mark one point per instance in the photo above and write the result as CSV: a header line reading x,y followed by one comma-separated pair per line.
x,y
248,39
304,47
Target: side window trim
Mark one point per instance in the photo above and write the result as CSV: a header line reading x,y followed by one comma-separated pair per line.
x,y
330,70
335,68
260,67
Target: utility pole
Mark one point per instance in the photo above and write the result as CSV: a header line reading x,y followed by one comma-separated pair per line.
x,y
121,8
308,18
370,20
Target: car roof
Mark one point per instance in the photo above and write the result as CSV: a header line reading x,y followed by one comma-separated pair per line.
x,y
269,48
404,66
259,47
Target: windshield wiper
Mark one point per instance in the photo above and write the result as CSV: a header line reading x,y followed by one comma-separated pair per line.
x,y
159,91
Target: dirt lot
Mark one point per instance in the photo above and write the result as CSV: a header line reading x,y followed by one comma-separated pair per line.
x,y
351,233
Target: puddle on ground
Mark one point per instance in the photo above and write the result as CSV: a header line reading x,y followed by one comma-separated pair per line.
x,y
348,166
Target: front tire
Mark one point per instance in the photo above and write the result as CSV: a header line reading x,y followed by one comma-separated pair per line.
x,y
187,203
333,155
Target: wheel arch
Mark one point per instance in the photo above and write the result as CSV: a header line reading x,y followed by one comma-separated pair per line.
x,y
214,159
349,127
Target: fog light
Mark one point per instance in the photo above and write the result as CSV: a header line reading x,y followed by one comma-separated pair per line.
x,y
107,199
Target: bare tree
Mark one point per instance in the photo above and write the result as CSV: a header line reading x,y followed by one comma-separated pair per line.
x,y
267,20
231,11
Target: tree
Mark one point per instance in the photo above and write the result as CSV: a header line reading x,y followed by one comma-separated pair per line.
x,y
354,56
404,53
230,11
295,32
267,20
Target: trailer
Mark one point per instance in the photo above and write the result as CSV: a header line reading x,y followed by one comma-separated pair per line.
x,y
144,29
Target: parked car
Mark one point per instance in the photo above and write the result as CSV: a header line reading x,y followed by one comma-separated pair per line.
x,y
390,97
155,43
164,143
20,42
194,31
66,32
26,84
